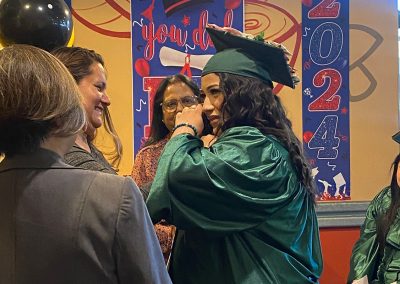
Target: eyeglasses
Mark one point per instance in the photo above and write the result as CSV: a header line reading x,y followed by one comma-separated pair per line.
x,y
172,105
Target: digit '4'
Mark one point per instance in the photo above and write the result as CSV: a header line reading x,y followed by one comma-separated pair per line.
x,y
324,138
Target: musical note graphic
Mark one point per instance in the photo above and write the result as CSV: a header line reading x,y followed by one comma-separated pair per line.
x,y
333,166
140,105
306,30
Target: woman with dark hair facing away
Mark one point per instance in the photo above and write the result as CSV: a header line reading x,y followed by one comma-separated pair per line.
x,y
172,95
376,255
58,223
87,68
244,208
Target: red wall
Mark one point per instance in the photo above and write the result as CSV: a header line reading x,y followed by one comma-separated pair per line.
x,y
337,244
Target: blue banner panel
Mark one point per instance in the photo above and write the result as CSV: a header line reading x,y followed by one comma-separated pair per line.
x,y
326,126
68,2
169,37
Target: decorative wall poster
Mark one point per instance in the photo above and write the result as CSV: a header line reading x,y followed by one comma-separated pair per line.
x,y
325,77
169,37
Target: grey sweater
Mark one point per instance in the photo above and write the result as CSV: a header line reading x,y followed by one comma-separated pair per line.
x,y
94,161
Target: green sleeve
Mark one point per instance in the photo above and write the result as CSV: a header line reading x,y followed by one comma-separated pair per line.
x,y
235,185
366,250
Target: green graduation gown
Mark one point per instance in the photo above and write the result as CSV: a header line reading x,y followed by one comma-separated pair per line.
x,y
242,214
365,259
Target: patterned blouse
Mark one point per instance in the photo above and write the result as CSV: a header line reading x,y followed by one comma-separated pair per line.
x,y
146,161
143,172
94,160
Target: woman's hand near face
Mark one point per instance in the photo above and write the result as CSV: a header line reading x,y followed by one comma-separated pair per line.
x,y
190,115
208,140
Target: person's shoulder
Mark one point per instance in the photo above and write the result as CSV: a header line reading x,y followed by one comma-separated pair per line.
x,y
106,196
249,143
83,180
76,149
80,158
251,137
143,154
384,196
150,149
75,154
240,135
380,203
107,179
101,177
241,131
105,185
144,150
247,133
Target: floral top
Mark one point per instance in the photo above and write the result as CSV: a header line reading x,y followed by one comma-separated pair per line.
x,y
143,172
146,162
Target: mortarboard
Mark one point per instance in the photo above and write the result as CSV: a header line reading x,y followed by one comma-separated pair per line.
x,y
396,137
249,57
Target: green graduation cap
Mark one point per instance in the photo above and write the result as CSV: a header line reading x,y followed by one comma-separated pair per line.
x,y
249,57
396,137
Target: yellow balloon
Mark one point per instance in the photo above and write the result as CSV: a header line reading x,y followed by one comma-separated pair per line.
x,y
72,38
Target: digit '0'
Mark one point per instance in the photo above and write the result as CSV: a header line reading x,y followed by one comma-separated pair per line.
x,y
317,54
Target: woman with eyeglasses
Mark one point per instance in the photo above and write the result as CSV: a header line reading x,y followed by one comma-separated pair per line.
x,y
173,94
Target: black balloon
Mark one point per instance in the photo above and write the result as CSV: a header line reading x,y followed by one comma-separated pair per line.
x,y
43,23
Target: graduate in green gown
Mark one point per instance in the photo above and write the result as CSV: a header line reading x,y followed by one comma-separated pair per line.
x,y
244,207
376,255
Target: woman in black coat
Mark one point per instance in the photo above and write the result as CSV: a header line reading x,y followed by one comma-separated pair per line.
x,y
60,224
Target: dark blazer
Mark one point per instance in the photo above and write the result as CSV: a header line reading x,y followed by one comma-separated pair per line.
x,y
60,224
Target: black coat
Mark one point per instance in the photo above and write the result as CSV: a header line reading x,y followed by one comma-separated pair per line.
x,y
60,224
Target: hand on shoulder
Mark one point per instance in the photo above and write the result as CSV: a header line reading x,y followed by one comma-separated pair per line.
x,y
208,140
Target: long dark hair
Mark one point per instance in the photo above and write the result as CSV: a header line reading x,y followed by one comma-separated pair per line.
x,y
158,129
78,61
386,220
250,102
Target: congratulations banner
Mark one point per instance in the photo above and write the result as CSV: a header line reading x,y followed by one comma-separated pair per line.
x,y
325,77
169,37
